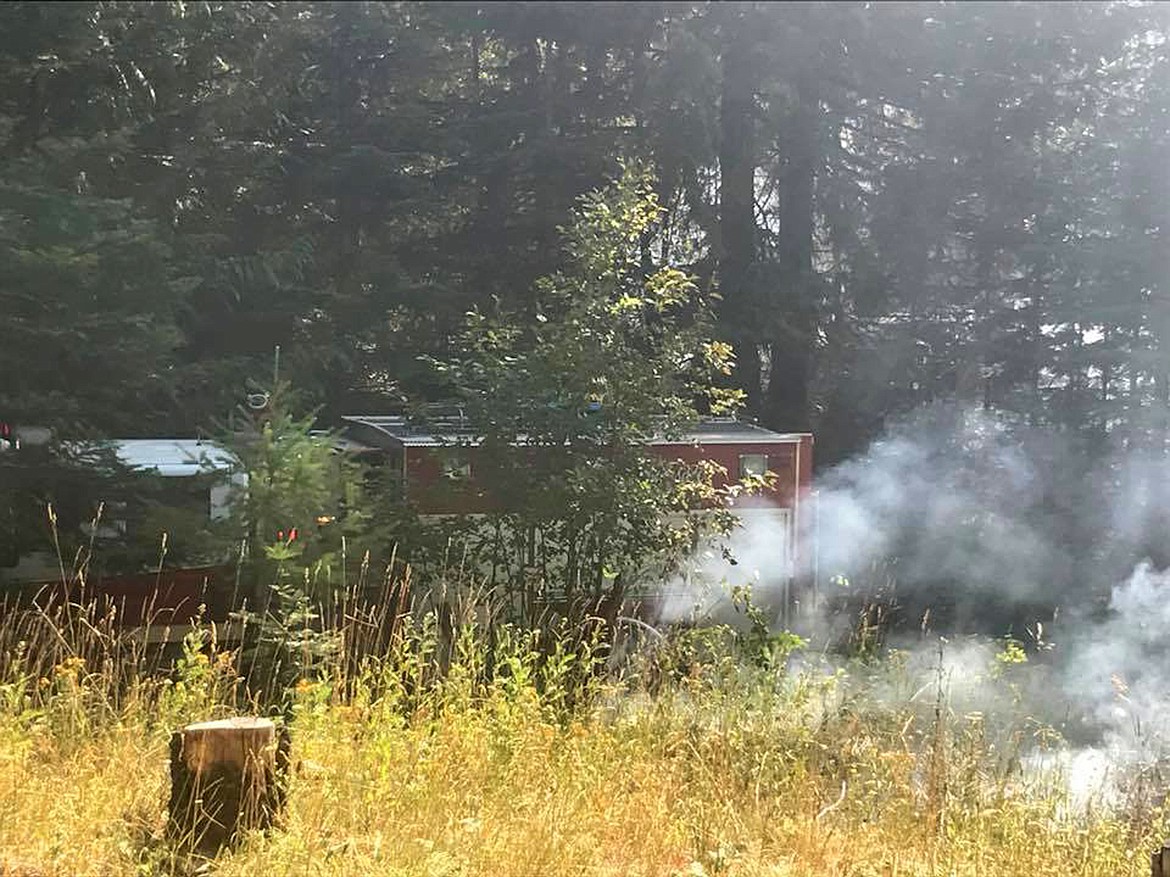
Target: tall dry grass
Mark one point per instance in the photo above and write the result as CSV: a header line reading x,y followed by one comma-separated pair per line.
x,y
464,746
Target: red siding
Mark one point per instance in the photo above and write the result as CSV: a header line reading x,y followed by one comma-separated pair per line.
x,y
791,462
435,494
170,597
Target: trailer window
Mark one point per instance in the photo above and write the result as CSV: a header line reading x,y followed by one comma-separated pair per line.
x,y
456,466
110,524
753,465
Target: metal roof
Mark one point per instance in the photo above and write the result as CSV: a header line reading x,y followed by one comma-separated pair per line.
x,y
399,431
729,431
172,457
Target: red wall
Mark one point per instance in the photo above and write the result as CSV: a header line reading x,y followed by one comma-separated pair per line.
x,y
435,494
172,596
791,462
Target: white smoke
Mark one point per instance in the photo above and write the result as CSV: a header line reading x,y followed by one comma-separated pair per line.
x,y
1029,536
755,558
1113,676
1119,667
951,496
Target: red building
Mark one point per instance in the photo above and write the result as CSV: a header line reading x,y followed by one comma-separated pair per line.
x,y
437,467
431,458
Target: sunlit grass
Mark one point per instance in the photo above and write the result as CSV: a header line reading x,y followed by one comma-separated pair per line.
x,y
500,765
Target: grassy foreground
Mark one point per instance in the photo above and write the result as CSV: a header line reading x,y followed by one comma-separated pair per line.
x,y
483,758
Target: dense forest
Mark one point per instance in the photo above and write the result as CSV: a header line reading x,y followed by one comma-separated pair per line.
x,y
897,202
893,204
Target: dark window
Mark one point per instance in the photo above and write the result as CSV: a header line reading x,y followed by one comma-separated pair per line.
x,y
753,465
456,466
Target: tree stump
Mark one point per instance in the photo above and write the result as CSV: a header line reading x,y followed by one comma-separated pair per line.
x,y
227,776
1160,862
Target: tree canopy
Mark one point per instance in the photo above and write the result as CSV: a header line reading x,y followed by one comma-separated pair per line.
x,y
895,203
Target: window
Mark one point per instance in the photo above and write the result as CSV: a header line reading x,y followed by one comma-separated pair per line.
x,y
456,467
110,524
753,465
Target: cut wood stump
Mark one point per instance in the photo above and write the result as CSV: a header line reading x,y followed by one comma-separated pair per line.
x,y
227,776
1160,862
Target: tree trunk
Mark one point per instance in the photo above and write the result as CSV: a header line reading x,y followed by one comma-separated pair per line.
x,y
737,220
788,383
226,777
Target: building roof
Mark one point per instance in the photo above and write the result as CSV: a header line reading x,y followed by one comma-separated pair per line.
x,y
730,431
173,457
399,431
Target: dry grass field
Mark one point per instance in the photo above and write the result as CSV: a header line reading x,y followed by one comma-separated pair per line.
x,y
486,756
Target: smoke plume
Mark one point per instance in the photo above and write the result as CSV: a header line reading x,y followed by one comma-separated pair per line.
x,y
984,524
